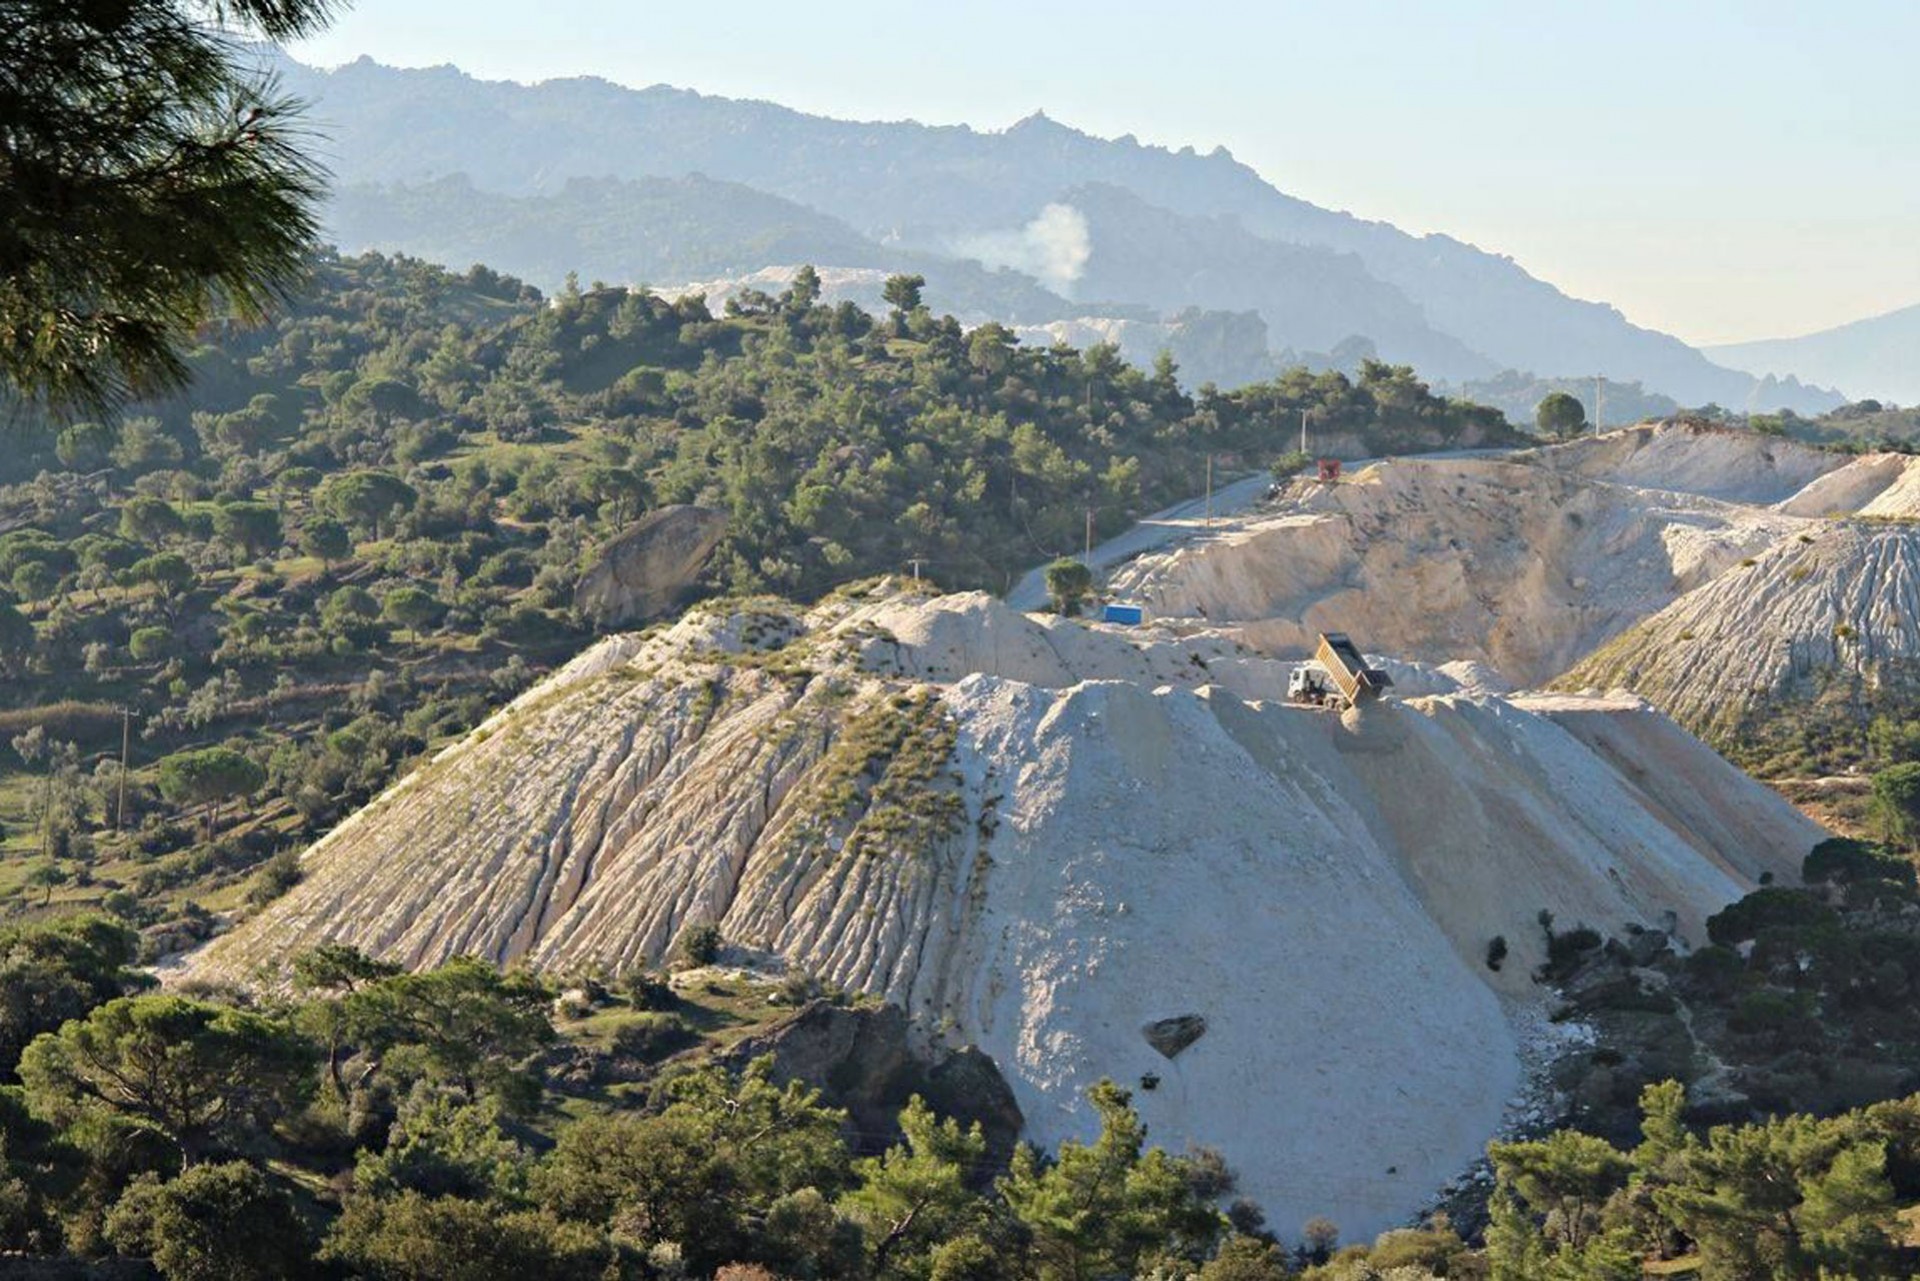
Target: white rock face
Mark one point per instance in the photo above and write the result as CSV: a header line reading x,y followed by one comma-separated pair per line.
x,y
1830,616
1072,831
1521,568
1873,485
1735,580
1713,462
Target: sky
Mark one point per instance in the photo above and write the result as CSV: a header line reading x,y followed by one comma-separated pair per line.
x,y
1724,170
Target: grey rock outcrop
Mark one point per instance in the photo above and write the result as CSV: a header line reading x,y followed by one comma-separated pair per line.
x,y
865,1060
648,570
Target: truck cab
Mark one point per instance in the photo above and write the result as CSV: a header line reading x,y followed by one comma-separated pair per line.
x,y
1309,683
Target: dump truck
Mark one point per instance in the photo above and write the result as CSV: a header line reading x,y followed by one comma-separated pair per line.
x,y
1337,676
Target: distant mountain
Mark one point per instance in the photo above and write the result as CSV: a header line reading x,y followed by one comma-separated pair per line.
x,y
654,231
1878,357
1007,199
651,229
1311,297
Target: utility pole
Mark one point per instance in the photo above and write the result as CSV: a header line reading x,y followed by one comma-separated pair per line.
x,y
1303,429
915,562
126,736
1599,401
1089,556
1209,491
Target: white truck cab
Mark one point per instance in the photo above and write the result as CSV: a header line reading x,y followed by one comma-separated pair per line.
x,y
1310,683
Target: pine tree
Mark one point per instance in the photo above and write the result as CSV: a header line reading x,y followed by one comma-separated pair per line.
x,y
150,178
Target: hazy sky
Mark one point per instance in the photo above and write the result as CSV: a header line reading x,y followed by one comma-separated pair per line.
x,y
1722,169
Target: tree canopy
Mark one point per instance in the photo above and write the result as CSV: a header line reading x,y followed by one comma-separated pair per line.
x,y
1559,414
185,1130
367,498
148,176
203,1075
58,970
1896,803
1068,582
211,1223
209,776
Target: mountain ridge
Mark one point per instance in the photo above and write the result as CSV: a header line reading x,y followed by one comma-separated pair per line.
x,y
932,188
1873,357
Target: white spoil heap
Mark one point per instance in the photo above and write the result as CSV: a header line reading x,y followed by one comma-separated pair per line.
x,y
1106,829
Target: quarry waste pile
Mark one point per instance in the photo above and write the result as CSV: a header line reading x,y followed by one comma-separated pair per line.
x,y
1730,578
1094,851
1814,627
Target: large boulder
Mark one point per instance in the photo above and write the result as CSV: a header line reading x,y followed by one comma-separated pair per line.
x,y
649,570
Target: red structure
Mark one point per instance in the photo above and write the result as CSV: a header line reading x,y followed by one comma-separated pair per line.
x,y
1329,470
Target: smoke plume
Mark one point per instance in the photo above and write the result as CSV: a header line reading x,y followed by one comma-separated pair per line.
x,y
1053,248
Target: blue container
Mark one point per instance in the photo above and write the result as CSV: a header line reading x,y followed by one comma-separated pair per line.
x,y
1130,615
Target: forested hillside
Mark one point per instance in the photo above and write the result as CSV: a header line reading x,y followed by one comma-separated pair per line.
x,y
364,527
461,1123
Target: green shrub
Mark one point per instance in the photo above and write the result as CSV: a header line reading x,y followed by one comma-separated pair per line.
x,y
213,1221
652,1037
700,944
1420,1249
1840,860
1773,907
646,990
1770,1011
1565,950
1291,463
1719,970
150,644
1896,803
1069,583
1894,741
275,877
798,988
1626,994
